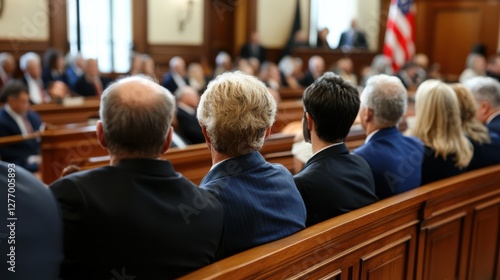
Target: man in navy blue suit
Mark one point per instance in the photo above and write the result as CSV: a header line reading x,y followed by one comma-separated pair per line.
x,y
176,77
261,203
37,229
333,181
486,90
17,119
395,160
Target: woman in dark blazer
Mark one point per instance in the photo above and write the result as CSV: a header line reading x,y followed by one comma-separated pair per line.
x,y
448,152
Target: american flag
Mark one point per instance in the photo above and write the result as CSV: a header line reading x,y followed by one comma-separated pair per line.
x,y
399,43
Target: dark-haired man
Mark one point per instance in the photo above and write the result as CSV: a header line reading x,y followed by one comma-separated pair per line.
x,y
333,181
16,118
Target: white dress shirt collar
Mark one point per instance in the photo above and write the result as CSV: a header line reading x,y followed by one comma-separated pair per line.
x,y
18,119
492,117
371,135
327,147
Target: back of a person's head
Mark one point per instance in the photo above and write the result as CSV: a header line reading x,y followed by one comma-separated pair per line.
x,y
386,96
333,105
471,126
136,115
485,89
26,58
438,122
236,110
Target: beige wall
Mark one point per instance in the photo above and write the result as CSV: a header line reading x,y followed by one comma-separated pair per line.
x,y
275,19
163,22
369,21
25,20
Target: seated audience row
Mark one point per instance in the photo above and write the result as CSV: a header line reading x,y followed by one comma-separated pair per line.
x,y
245,201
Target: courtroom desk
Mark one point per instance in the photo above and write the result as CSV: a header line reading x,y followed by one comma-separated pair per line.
x,y
360,59
448,229
56,114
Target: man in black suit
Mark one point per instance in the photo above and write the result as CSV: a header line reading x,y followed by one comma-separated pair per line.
x,y
333,181
37,226
136,217
254,49
91,83
353,38
177,76
189,127
486,91
17,119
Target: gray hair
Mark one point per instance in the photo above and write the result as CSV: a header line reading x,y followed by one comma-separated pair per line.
x,y
136,115
4,57
222,57
387,97
27,58
175,61
471,58
485,89
236,109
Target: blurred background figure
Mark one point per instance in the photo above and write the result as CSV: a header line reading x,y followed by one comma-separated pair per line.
x,y
7,68
409,75
254,49
91,83
475,67
196,76
54,66
136,62
148,66
493,68
223,63
30,64
316,70
287,67
322,43
16,118
344,69
353,38
74,68
270,75
187,103
177,76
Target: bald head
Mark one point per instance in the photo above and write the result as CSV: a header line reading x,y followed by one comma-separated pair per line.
x,y
136,115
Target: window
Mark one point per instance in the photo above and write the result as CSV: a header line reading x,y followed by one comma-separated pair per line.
x,y
101,29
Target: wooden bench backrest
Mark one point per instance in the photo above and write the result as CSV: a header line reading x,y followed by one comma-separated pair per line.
x,y
445,230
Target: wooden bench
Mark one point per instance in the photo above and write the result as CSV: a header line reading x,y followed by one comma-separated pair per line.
x,y
445,230
291,93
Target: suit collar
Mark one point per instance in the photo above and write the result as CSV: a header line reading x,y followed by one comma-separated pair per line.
x,y
385,133
328,152
234,166
493,118
152,167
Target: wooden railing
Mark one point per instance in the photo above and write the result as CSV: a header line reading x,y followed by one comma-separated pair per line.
x,y
449,229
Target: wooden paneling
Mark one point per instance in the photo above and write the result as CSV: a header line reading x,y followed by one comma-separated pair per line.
x,y
485,236
379,241
442,248
447,30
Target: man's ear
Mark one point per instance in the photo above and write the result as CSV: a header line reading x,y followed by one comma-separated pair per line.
x,y
310,122
367,115
268,132
100,135
205,134
168,141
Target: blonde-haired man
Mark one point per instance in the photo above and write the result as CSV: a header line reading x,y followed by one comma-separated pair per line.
x,y
260,200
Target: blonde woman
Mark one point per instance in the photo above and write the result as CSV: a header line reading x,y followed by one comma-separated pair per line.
x,y
485,153
447,151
